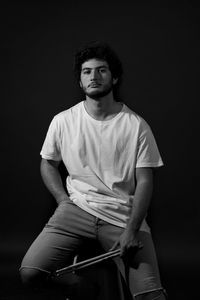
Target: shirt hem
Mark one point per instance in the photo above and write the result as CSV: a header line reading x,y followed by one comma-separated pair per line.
x,y
149,165
144,227
118,224
49,157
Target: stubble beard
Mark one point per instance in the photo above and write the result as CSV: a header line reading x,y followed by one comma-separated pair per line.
x,y
96,95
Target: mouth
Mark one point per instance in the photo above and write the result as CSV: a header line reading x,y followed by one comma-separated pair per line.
x,y
94,85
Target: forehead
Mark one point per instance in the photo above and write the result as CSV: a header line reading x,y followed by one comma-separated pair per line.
x,y
94,63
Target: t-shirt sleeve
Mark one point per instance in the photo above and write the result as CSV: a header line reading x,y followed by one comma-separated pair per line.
x,y
148,154
51,146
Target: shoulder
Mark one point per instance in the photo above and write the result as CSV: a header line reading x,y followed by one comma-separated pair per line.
x,y
135,118
68,114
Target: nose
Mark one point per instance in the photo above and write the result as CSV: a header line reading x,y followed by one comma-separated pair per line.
x,y
94,75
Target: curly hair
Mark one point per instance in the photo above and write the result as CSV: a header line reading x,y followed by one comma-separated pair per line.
x,y
101,51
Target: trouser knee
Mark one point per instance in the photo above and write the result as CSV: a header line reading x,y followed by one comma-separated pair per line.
x,y
33,277
155,295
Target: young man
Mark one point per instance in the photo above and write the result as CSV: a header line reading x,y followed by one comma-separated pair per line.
x,y
109,152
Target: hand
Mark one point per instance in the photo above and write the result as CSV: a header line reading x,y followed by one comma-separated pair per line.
x,y
128,243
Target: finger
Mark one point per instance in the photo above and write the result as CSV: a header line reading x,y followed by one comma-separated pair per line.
x,y
123,252
131,250
115,246
140,245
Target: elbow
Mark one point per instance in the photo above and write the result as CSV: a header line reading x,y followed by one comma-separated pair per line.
x,y
43,166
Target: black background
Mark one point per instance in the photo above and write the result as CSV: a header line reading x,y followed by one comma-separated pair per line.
x,y
158,43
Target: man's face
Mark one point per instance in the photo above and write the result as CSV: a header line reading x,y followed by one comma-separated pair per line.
x,y
96,79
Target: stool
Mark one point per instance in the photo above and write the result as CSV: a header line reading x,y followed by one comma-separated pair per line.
x,y
94,276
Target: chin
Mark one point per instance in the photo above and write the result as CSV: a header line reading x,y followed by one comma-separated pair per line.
x,y
95,96
98,94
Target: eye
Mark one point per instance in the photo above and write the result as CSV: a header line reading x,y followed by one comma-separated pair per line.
x,y
86,71
102,70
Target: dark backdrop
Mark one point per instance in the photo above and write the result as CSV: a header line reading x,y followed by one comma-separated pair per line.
x,y
159,45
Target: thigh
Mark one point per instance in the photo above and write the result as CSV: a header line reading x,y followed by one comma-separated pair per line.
x,y
59,241
70,218
142,274
108,234
51,250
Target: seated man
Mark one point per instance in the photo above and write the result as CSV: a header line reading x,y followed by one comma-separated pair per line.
x,y
109,152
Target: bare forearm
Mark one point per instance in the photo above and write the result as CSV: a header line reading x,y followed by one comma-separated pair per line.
x,y
52,179
141,202
144,186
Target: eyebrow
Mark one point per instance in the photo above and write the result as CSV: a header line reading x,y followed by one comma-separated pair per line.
x,y
99,67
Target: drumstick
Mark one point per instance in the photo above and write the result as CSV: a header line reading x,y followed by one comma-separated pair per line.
x,y
87,262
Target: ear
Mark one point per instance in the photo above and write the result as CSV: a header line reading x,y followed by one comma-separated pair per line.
x,y
115,80
80,83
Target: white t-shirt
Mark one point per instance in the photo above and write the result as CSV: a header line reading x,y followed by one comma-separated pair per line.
x,y
101,157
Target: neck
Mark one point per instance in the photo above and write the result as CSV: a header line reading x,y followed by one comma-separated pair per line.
x,y
103,108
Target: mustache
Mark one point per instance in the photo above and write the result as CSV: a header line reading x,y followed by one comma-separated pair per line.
x,y
94,84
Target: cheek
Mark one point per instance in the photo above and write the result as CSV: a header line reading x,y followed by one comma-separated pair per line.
x,y
81,83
